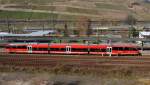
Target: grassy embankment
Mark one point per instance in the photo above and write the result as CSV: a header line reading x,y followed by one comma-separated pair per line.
x,y
24,15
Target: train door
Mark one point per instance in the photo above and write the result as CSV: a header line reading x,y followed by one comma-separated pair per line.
x,y
68,49
29,49
109,51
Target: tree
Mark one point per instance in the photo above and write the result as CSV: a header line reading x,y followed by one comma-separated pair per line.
x,y
131,20
66,32
134,32
83,24
89,30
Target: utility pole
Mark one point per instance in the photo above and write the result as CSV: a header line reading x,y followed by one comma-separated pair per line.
x,y
89,30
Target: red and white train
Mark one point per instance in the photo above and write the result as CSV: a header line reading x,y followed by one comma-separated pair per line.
x,y
64,48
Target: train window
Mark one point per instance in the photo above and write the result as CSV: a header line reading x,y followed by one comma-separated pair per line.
x,y
126,48
94,50
62,49
102,50
8,46
57,49
53,49
35,49
24,47
83,50
115,48
133,49
79,49
45,49
39,49
42,49
21,47
120,48
75,49
14,47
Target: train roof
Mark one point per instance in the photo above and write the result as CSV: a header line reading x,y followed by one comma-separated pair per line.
x,y
57,44
124,45
75,44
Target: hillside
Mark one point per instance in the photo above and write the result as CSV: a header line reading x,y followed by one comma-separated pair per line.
x,y
72,9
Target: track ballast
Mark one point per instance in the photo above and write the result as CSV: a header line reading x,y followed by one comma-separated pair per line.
x,y
37,60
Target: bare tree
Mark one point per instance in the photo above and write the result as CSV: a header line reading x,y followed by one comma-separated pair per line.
x,y
89,30
66,31
131,20
82,24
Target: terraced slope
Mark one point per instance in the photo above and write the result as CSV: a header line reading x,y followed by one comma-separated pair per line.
x,y
72,9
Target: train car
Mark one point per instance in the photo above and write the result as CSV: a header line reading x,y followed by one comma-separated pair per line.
x,y
79,49
68,49
16,48
125,49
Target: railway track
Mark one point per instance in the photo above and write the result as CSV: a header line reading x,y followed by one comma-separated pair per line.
x,y
38,60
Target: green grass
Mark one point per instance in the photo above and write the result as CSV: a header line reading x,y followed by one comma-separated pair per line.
x,y
25,15
110,6
34,7
28,1
80,10
34,15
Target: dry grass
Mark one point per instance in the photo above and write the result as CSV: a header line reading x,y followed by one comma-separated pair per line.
x,y
108,9
63,69
64,75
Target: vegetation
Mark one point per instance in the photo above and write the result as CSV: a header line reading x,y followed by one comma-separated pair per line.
x,y
68,75
110,9
89,30
110,6
25,15
66,31
131,20
34,7
27,1
81,10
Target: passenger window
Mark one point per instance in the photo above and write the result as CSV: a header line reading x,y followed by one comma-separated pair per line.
x,y
133,49
35,49
75,49
79,50
14,47
115,48
62,49
120,48
54,49
24,47
94,50
126,48
7,47
84,50
45,49
103,50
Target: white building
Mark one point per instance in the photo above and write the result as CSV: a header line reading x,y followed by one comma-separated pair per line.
x,y
144,34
